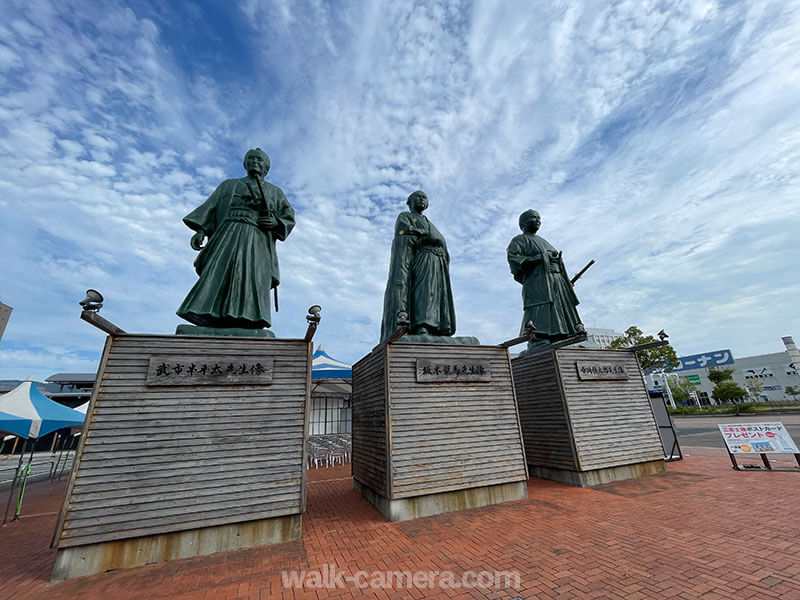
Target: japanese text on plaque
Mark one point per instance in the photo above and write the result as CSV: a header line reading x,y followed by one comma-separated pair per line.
x,y
173,369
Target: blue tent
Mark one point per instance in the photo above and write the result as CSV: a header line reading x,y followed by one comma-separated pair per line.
x,y
28,413
324,366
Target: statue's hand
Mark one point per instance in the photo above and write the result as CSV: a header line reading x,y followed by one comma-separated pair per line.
x,y
267,222
197,241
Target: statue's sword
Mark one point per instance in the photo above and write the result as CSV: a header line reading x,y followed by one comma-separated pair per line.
x,y
581,272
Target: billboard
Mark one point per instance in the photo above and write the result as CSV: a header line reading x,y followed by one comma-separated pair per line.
x,y
705,360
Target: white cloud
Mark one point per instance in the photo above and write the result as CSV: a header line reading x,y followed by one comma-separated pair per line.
x,y
660,139
9,59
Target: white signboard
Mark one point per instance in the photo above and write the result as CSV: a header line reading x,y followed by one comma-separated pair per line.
x,y
757,438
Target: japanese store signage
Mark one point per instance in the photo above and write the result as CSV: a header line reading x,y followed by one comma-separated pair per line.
x,y
757,438
705,360
758,373
173,369
601,370
429,371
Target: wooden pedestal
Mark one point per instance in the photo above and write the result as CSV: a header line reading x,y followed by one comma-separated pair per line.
x,y
435,429
586,417
192,445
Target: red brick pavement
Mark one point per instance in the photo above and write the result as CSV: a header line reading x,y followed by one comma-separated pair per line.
x,y
700,531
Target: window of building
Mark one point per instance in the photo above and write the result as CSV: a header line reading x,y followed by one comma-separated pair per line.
x,y
330,413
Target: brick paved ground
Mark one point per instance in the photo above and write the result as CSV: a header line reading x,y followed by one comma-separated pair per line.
x,y
700,531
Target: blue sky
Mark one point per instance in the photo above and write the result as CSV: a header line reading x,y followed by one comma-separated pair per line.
x,y
661,139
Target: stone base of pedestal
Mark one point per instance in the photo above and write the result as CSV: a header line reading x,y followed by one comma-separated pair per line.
x,y
184,329
599,476
438,340
435,429
79,561
433,504
586,416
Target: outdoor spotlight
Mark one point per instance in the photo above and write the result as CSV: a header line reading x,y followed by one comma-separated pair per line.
x,y
93,301
313,314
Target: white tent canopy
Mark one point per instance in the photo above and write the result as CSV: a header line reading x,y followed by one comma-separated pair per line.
x,y
28,413
324,366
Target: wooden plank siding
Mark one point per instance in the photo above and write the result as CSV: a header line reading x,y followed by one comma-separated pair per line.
x,y
160,459
442,436
612,419
542,412
369,439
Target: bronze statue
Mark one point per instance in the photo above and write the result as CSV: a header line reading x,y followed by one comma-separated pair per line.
x,y
238,265
419,276
547,295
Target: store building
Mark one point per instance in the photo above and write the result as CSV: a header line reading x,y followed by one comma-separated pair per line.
x,y
602,337
765,376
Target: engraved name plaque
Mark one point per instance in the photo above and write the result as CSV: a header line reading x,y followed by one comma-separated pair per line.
x,y
601,370
173,369
437,371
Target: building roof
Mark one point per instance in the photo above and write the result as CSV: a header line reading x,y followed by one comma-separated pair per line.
x,y
73,378
58,396
331,386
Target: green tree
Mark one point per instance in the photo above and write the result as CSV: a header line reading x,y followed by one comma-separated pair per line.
x,y
728,390
717,375
755,387
792,391
660,357
681,389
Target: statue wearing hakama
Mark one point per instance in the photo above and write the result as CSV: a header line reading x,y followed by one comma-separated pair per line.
x,y
547,295
238,266
419,276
